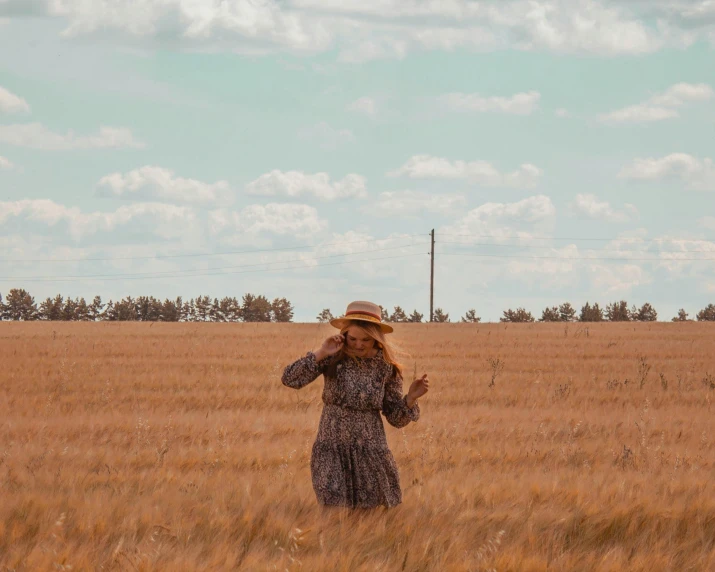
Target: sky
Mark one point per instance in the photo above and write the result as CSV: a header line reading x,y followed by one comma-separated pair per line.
x,y
561,151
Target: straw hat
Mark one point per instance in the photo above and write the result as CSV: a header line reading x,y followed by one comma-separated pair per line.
x,y
364,312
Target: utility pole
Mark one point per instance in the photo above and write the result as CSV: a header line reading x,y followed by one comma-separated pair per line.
x,y
431,280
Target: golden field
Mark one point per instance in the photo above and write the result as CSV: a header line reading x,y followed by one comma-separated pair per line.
x,y
138,446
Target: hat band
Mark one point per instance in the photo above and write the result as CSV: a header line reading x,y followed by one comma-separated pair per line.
x,y
363,317
363,313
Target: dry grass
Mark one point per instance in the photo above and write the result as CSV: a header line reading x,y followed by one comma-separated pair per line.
x,y
175,446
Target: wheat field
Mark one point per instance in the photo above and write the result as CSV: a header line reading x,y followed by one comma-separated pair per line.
x,y
136,446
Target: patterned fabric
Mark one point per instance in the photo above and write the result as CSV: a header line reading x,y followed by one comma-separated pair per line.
x,y
351,464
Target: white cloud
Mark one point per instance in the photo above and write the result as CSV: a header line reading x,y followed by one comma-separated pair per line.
x,y
501,220
518,104
364,105
5,164
661,106
548,271
393,256
167,221
11,103
561,112
620,278
351,242
151,183
697,174
639,114
297,183
301,221
588,206
327,137
413,203
392,28
368,29
477,172
234,25
37,136
170,222
679,257
682,93
515,224
707,222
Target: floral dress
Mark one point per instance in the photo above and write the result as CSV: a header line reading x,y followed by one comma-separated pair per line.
x,y
351,464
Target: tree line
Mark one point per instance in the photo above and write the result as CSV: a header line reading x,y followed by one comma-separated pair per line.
x,y
613,312
20,305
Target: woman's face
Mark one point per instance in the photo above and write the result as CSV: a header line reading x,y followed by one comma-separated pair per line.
x,y
359,342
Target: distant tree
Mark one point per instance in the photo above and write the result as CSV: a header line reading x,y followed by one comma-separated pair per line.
x,y
633,313
440,316
255,308
415,317
471,317
550,314
51,309
188,312
563,313
203,308
95,309
567,313
398,315
142,309
325,316
19,305
618,312
247,308
81,311
2,309
215,314
681,317
109,314
384,316
171,310
230,309
148,309
707,314
518,315
591,313
69,309
125,310
281,310
646,313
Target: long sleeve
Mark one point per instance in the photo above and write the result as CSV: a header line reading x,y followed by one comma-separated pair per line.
x,y
394,404
303,371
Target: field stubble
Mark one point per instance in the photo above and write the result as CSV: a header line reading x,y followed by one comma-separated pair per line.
x,y
129,446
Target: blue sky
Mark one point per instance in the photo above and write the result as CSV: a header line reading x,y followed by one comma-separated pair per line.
x,y
562,151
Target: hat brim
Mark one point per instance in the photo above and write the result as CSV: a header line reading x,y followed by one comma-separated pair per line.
x,y
340,323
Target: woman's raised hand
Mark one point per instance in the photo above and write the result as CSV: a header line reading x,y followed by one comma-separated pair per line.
x,y
330,346
418,388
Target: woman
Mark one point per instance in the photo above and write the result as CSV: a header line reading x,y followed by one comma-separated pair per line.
x,y
351,464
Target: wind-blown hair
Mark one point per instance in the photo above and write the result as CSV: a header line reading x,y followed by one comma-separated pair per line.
x,y
389,350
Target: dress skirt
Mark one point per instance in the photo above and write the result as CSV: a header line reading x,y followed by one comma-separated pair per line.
x,y
351,464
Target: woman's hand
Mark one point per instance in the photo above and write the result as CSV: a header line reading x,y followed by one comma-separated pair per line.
x,y
330,347
418,388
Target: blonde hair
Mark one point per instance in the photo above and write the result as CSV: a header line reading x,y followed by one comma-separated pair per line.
x,y
390,350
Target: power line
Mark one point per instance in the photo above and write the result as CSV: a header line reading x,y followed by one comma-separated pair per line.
x,y
112,277
189,272
162,256
655,251
500,237
577,258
